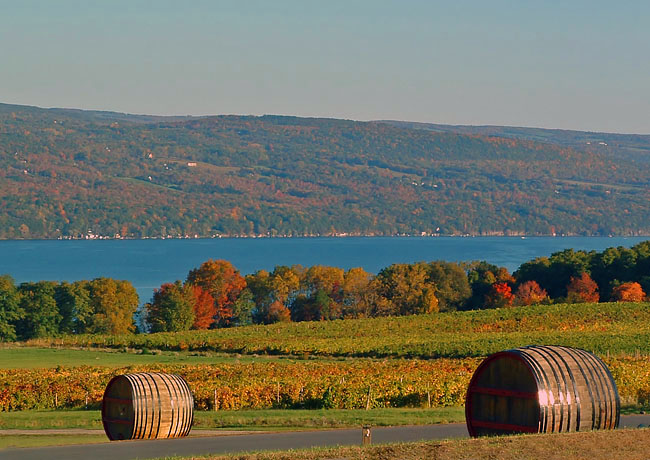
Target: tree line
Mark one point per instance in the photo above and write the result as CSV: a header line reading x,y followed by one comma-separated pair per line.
x,y
47,308
217,295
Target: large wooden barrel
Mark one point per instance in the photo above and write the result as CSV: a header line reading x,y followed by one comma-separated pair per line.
x,y
147,406
541,389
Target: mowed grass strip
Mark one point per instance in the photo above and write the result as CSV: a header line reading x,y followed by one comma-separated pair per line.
x,y
631,444
268,419
20,357
602,328
27,440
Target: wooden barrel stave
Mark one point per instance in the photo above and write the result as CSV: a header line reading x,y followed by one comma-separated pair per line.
x,y
148,405
541,389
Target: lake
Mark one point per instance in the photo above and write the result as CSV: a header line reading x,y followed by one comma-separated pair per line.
x,y
149,263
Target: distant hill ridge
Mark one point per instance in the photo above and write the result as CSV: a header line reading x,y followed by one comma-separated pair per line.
x,y
76,173
636,146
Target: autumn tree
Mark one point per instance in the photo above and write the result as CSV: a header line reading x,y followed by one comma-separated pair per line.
x,y
582,289
358,296
285,282
530,293
320,294
482,276
113,303
224,283
500,296
628,292
282,286
259,285
407,289
554,274
10,311
203,306
278,313
171,308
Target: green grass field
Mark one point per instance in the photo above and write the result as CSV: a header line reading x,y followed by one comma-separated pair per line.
x,y
27,440
245,419
18,357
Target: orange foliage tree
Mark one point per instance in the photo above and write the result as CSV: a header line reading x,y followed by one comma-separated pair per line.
x,y
279,313
530,293
499,296
582,289
628,292
223,282
204,309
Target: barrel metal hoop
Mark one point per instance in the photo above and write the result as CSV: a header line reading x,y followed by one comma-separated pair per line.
x,y
535,349
164,378
186,412
599,388
564,405
159,399
615,389
543,385
584,367
604,393
576,393
137,406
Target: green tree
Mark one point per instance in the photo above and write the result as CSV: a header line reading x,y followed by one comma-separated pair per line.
x,y
452,286
73,302
242,309
10,311
171,308
41,316
611,266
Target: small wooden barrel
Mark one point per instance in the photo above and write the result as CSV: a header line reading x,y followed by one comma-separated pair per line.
x,y
147,406
541,389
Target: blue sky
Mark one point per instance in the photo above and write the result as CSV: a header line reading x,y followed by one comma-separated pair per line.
x,y
558,64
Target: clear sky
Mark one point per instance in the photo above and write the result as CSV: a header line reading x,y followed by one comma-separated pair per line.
x,y
569,64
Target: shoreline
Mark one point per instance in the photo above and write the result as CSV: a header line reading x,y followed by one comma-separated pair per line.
x,y
326,236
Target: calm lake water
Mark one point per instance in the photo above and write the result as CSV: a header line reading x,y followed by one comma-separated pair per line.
x,y
149,263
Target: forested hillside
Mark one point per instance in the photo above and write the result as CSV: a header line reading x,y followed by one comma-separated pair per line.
x,y
635,147
70,173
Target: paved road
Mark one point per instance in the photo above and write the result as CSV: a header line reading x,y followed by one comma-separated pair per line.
x,y
128,450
